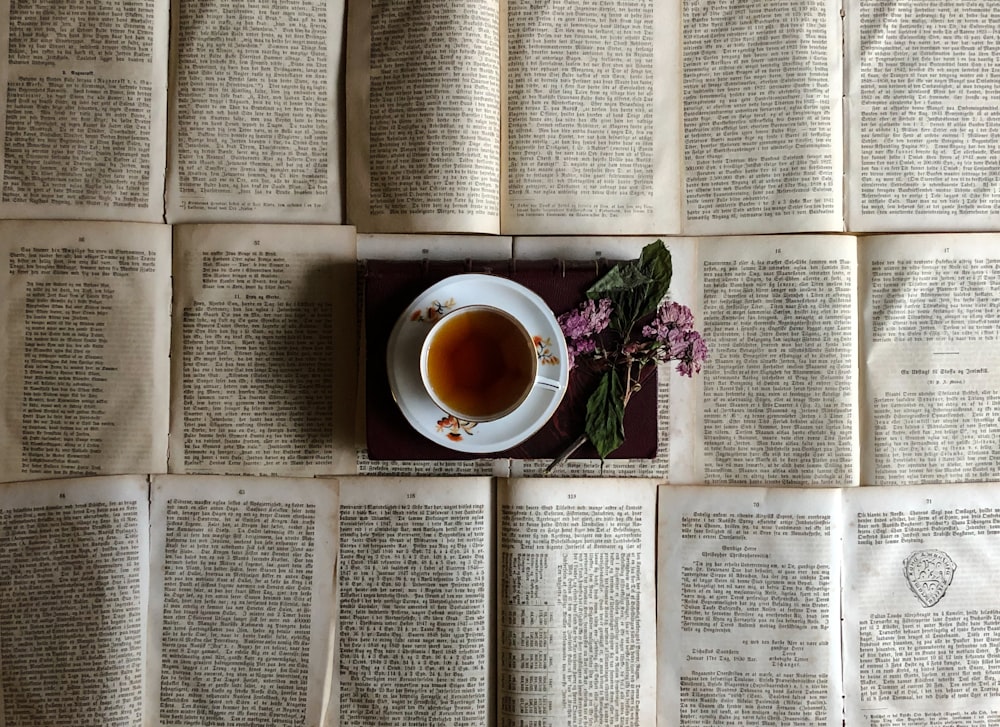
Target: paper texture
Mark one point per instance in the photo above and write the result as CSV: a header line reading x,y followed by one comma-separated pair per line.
x,y
241,599
920,632
762,96
923,117
415,574
73,601
263,354
83,110
748,609
256,124
575,612
931,358
85,307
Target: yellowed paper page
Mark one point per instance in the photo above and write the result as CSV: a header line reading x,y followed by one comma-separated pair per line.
x,y
256,126
591,117
763,109
74,596
576,601
85,307
931,358
748,607
242,600
923,116
920,620
423,116
83,109
264,350
415,577
780,387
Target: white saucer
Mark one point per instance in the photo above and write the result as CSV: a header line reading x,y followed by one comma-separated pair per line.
x,y
403,361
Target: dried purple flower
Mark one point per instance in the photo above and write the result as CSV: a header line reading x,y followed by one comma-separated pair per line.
x,y
589,319
669,317
579,346
689,350
581,325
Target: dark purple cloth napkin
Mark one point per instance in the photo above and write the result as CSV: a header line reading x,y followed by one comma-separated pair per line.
x,y
390,286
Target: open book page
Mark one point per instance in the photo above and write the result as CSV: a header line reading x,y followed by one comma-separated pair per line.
x,y
780,401
762,116
931,364
84,108
749,607
85,307
576,599
256,127
264,357
677,396
423,123
923,116
74,584
591,117
921,623
415,610
241,616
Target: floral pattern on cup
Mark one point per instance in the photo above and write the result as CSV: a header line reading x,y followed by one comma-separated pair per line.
x,y
543,346
434,311
454,427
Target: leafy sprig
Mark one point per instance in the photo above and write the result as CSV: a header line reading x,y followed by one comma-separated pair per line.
x,y
623,327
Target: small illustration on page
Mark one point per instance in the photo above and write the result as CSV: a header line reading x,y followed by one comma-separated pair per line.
x,y
928,573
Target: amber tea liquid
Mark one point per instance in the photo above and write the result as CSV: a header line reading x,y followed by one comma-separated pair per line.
x,y
480,363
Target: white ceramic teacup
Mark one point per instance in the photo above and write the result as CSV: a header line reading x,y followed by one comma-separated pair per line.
x,y
478,363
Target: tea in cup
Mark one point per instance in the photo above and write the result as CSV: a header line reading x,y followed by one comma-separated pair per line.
x,y
478,363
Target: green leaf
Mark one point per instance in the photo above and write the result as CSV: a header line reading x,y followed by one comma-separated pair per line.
x,y
657,264
635,287
625,277
605,424
625,284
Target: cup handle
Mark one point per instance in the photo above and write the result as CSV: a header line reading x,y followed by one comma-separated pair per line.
x,y
547,383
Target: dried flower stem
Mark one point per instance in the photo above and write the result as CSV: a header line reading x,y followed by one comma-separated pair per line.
x,y
644,374
566,453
